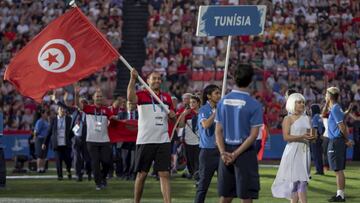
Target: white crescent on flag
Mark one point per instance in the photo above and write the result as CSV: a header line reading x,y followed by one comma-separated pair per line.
x,y
57,56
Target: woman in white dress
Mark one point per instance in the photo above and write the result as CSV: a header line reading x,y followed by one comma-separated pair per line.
x,y
294,170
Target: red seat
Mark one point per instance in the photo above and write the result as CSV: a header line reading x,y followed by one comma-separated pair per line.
x,y
219,75
182,69
209,75
197,75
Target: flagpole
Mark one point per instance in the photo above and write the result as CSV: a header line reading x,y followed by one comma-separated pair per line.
x,y
226,66
145,85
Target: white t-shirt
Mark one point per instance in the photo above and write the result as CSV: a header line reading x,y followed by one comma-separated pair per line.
x,y
325,122
153,120
259,137
190,138
61,131
97,123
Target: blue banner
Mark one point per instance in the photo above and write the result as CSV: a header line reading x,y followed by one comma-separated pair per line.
x,y
275,146
231,20
19,145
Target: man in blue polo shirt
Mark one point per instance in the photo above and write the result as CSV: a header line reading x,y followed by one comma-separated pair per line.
x,y
338,140
238,119
40,132
209,154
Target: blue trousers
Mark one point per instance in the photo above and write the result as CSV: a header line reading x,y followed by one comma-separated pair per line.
x,y
208,164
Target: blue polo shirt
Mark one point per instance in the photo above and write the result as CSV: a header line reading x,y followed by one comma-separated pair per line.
x,y
41,128
238,112
316,122
336,117
207,136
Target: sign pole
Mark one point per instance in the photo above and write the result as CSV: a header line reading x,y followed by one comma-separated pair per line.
x,y
226,66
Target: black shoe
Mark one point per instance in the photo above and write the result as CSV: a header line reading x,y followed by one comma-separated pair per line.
x,y
69,176
154,174
89,178
132,177
79,179
337,198
60,178
103,184
127,177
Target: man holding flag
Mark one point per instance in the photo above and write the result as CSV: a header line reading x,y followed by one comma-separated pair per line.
x,y
153,143
58,56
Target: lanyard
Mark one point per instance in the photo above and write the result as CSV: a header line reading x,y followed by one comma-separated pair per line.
x,y
131,115
153,103
100,116
79,118
62,120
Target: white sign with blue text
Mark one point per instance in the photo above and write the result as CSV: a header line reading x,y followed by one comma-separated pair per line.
x,y
231,20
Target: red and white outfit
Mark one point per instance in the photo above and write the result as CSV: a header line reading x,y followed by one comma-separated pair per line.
x,y
97,119
153,119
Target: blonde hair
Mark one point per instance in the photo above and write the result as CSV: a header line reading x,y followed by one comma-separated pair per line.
x,y
290,103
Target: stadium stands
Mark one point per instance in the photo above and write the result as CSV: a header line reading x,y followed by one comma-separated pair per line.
x,y
307,45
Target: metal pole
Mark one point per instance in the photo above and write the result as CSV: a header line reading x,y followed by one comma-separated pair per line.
x,y
145,85
226,66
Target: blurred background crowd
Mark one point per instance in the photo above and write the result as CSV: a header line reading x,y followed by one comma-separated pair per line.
x,y
307,45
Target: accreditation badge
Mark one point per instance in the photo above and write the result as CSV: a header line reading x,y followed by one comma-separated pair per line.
x,y
98,126
159,120
76,130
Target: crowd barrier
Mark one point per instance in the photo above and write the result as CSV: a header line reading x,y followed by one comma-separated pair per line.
x,y
16,143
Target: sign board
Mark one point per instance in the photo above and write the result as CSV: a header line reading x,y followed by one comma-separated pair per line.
x,y
231,20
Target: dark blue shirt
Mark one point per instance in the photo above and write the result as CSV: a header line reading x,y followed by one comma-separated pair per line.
x,y
41,128
238,112
316,122
336,117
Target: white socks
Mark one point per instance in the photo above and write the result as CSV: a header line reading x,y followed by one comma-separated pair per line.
x,y
340,193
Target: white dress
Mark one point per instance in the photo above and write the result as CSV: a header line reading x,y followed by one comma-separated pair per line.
x,y
295,161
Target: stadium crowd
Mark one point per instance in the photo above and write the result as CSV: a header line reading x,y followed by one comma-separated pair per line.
x,y
20,21
306,46
307,49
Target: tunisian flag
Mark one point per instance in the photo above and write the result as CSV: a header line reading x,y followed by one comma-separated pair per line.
x,y
67,50
123,130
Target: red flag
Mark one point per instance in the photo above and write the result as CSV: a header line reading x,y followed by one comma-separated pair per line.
x,y
67,50
356,20
123,131
263,142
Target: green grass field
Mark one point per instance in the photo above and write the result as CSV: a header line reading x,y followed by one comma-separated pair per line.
x,y
51,190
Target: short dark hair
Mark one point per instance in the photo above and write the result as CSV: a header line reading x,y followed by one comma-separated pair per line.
x,y
194,97
208,91
243,75
153,72
289,92
315,109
